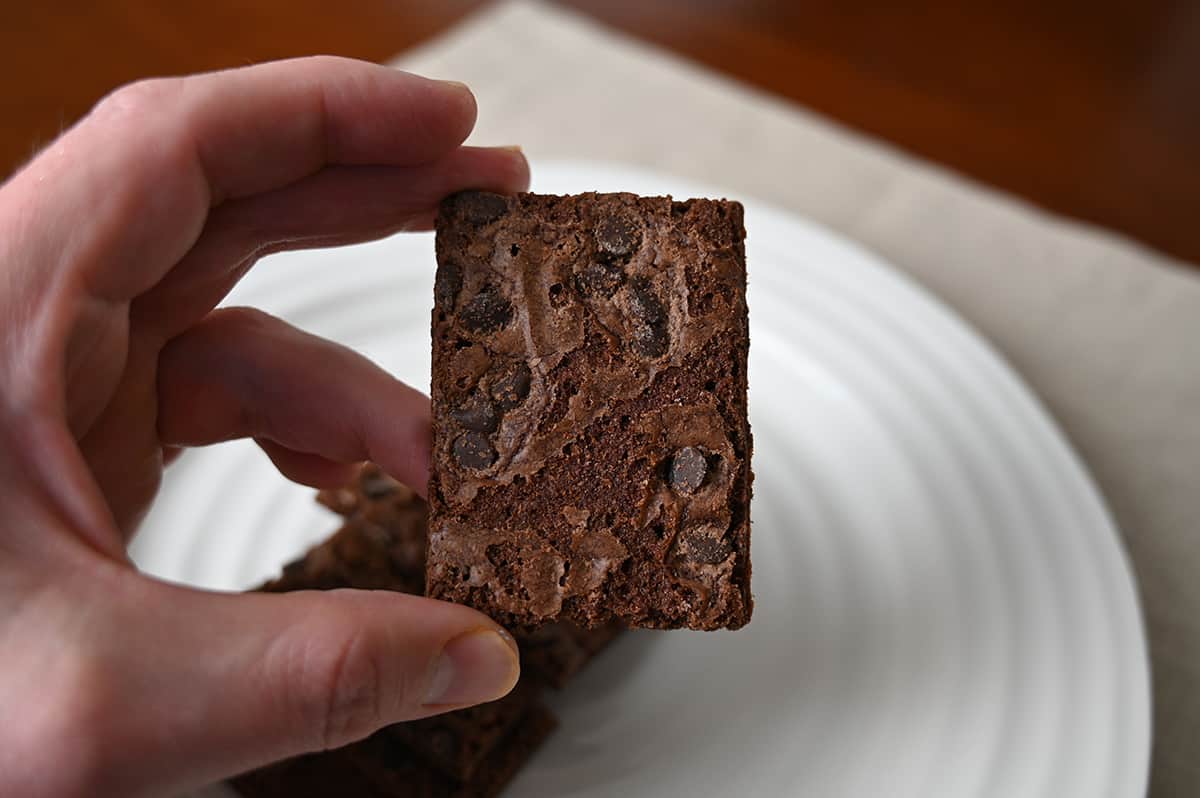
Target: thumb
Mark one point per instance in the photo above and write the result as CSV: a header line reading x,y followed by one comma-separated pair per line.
x,y
253,678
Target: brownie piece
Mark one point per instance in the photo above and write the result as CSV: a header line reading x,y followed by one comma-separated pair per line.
x,y
371,487
456,743
380,547
383,766
324,775
394,769
557,651
361,554
591,446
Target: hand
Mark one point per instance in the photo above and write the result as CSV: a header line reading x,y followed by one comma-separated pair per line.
x,y
116,244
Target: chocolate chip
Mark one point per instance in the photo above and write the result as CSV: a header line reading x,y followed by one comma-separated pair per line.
x,y
377,486
512,388
700,546
476,413
646,307
487,312
688,469
599,279
446,285
617,236
652,341
482,207
473,450
558,297
650,335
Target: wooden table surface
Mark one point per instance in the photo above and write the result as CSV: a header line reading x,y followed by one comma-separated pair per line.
x,y
1091,109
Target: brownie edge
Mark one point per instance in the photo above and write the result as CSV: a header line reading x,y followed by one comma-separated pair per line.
x,y
591,446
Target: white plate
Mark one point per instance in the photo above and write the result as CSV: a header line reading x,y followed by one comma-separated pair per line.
x,y
943,605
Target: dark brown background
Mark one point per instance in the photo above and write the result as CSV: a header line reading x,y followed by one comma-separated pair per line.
x,y
1087,107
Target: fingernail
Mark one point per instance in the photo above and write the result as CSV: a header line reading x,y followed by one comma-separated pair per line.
x,y
457,85
474,667
512,148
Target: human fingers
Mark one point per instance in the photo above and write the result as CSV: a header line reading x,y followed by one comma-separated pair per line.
x,y
241,373
133,182
309,469
338,205
167,688
146,165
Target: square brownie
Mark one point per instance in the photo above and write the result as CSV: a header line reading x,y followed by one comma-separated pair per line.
x,y
591,445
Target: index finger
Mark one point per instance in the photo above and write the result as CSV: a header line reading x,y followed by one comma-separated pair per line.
x,y
133,182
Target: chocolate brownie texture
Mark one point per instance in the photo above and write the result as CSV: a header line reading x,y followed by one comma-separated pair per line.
x,y
384,766
393,769
324,775
591,446
456,743
373,550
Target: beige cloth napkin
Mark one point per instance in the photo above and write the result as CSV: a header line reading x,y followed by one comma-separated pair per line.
x,y
1105,331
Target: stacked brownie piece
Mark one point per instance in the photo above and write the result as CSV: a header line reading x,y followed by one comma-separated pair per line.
x,y
469,753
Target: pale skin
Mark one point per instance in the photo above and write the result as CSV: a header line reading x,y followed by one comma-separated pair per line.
x,y
116,244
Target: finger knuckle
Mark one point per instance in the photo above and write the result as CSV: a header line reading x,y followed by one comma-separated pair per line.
x,y
145,128
138,99
244,320
341,688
